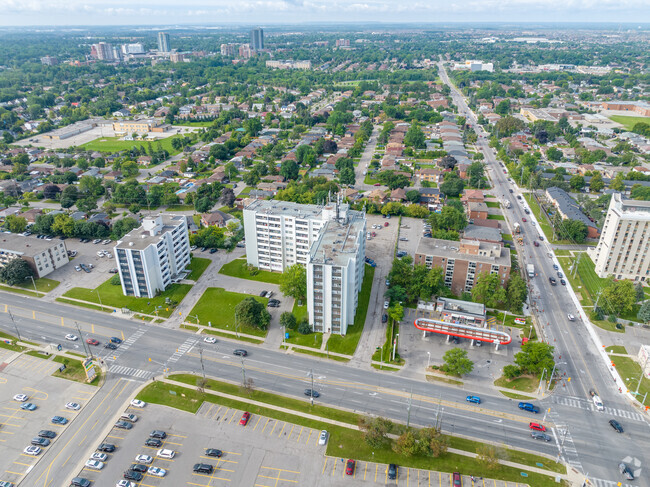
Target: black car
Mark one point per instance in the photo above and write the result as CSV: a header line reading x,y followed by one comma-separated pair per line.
x,y
212,251
616,425
38,441
80,482
158,434
138,467
155,442
312,393
552,281
133,475
203,468
46,434
116,340
106,447
124,425
240,352
262,294
511,190
563,282
392,471
110,346
384,318
213,452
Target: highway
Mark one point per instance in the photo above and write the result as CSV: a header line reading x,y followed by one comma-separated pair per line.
x,y
598,449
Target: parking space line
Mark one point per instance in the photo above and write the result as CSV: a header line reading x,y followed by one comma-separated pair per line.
x,y
278,479
259,418
234,413
23,464
365,471
300,434
324,465
334,469
212,406
273,429
266,424
310,432
376,470
217,413
177,436
280,469
15,473
283,426
116,437
172,443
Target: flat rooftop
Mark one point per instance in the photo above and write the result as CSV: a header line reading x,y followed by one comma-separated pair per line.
x,y
140,239
28,246
338,242
295,210
450,249
465,307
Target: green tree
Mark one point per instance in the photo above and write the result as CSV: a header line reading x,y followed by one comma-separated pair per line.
x,y
251,312
304,328
511,371
15,224
488,290
452,186
64,225
432,442
638,291
554,154
517,292
457,363
618,297
396,293
288,320
617,183
375,431
407,444
487,456
596,184
577,182
293,282
414,137
289,170
575,230
15,272
535,357
644,312
476,172
413,195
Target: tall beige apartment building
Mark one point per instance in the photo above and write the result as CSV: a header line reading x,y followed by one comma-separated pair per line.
x,y
622,250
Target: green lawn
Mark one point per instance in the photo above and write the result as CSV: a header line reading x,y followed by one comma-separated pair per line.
x,y
7,336
522,384
616,349
370,180
630,371
197,267
493,204
313,340
496,217
43,285
299,312
114,144
18,290
239,268
348,344
74,370
541,216
185,123
629,122
217,308
111,297
344,442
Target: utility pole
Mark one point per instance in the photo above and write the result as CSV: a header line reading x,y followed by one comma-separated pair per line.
x,y
311,395
201,358
645,363
83,342
243,372
408,417
15,326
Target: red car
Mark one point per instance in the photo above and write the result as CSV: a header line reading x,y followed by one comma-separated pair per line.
x,y
385,224
92,341
244,418
537,426
523,220
349,467
536,243
458,480
377,184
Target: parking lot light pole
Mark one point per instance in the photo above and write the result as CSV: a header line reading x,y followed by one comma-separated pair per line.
x,y
34,283
428,360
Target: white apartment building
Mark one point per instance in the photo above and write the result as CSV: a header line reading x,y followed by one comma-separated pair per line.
x,y
153,255
42,256
335,274
328,240
622,250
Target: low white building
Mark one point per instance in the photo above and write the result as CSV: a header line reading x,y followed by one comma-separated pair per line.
x,y
153,255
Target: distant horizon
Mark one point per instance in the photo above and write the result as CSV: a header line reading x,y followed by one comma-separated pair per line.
x,y
123,13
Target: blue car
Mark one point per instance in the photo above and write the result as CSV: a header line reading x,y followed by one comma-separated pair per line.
x,y
28,406
474,399
59,420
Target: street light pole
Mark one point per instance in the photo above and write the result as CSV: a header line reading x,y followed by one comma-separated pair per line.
x,y
539,387
15,326
311,395
236,323
100,299
395,345
428,360
34,283
83,342
645,363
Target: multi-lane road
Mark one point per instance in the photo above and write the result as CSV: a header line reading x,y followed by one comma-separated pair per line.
x,y
596,448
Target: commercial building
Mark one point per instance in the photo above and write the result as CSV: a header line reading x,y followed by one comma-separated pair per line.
x,y
70,130
102,51
135,48
289,64
163,42
49,60
42,256
153,255
257,39
622,250
140,126
328,240
463,261
474,66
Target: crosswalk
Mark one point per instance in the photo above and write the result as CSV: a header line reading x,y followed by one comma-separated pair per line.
x,y
130,371
564,441
580,403
185,347
113,355
606,483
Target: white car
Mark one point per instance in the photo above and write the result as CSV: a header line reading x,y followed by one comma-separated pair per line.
x,y
20,397
571,317
143,459
99,456
137,403
157,471
71,337
124,483
73,405
386,303
77,268
94,464
32,450
165,453
210,340
322,439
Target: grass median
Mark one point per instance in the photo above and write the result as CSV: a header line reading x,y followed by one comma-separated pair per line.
x,y
345,442
197,267
74,370
240,269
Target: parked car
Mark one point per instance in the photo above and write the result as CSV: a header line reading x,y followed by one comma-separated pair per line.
x,y
322,439
384,318
137,403
32,450
213,452
47,434
157,471
59,420
165,453
124,425
158,434
21,397
349,467
38,441
456,477
245,418
133,475
80,482
107,447
203,468
392,471
74,406
386,304
28,406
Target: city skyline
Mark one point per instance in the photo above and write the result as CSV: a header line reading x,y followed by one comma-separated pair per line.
x,y
76,12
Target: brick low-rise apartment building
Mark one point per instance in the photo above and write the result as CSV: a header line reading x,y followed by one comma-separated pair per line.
x,y
463,261
43,256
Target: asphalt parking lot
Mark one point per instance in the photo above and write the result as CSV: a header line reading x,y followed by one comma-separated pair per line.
x,y
32,376
411,229
251,454
380,248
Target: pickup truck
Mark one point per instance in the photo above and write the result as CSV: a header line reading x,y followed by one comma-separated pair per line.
x,y
526,406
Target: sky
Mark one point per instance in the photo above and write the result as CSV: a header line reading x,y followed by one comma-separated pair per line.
x,y
172,12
